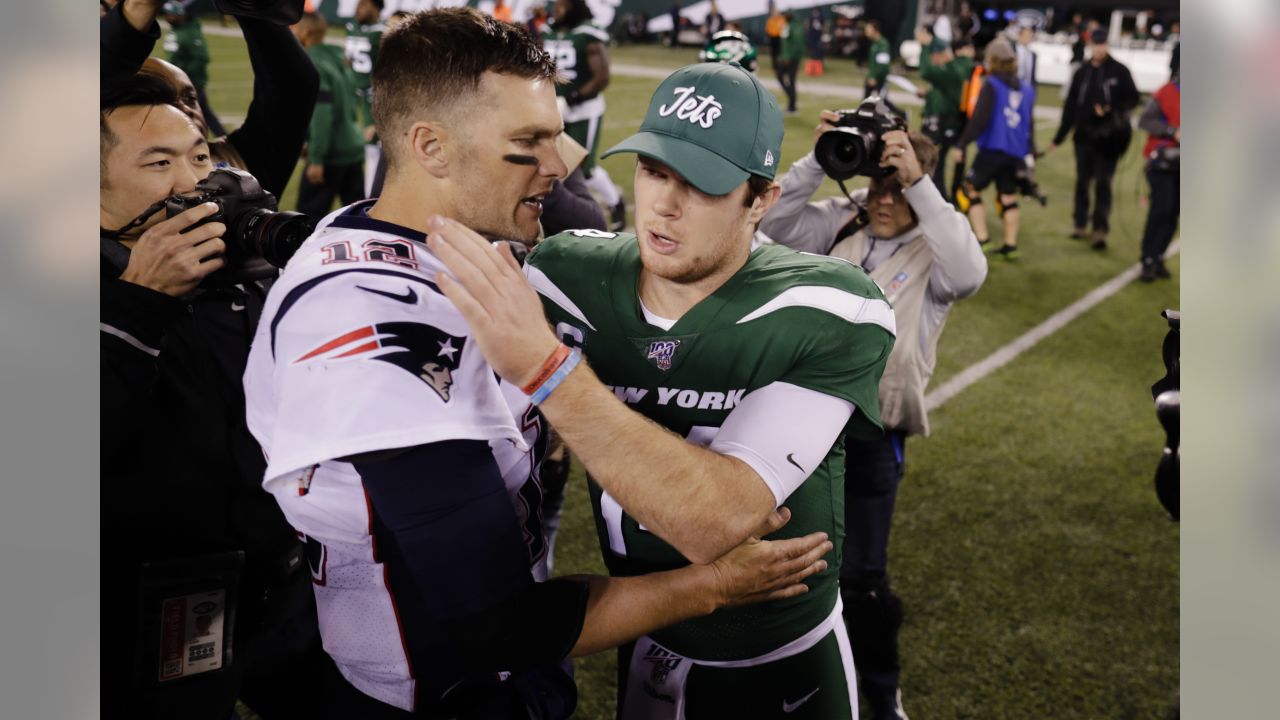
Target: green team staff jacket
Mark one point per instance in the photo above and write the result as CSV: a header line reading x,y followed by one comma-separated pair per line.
x,y
335,137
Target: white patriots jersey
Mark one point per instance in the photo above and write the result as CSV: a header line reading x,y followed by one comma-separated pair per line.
x,y
357,351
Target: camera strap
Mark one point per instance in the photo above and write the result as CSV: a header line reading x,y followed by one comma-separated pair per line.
x,y
145,216
859,220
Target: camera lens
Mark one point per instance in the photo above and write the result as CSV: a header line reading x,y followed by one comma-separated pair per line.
x,y
842,151
275,236
848,151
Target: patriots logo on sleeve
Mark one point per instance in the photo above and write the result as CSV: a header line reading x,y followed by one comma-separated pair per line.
x,y
427,353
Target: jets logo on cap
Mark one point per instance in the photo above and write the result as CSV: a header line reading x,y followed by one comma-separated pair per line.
x,y
697,109
768,158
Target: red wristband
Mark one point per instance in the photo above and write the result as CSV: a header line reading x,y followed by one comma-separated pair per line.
x,y
548,368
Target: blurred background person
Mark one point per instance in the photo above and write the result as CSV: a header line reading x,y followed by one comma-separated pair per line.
x,y
364,35
878,59
1026,56
788,65
1097,108
813,44
967,24
335,144
1162,121
773,28
1003,127
502,11
187,49
942,119
537,21
922,252
677,20
713,23
580,50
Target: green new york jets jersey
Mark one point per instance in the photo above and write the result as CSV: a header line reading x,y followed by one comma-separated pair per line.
x,y
785,317
569,49
361,49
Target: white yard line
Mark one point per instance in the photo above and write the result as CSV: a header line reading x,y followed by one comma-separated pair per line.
x,y
1029,339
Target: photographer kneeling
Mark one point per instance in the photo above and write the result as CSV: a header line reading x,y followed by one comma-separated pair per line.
x,y
924,256
205,593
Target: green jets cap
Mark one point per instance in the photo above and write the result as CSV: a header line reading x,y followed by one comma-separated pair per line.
x,y
713,123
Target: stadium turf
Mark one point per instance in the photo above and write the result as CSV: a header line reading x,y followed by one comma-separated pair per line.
x,y
1039,573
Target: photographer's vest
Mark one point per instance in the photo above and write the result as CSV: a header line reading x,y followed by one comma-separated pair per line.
x,y
904,279
1009,130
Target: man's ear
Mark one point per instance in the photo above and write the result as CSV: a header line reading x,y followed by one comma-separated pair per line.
x,y
428,145
760,206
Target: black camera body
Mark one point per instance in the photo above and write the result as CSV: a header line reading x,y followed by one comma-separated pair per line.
x,y
258,238
855,145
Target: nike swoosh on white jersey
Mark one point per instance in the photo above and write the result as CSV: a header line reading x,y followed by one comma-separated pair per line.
x,y
791,707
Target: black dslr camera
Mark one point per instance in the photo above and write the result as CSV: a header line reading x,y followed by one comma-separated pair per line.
x,y
258,238
855,145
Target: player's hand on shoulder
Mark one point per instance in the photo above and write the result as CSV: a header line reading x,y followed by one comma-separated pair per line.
x,y
487,286
760,570
169,260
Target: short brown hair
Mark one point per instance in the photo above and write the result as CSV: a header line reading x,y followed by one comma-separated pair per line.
x,y
431,62
757,186
926,152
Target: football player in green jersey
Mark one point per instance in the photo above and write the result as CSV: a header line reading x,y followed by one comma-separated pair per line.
x,y
187,49
580,51
364,35
762,361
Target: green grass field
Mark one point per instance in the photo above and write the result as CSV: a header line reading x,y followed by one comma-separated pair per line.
x,y
1039,573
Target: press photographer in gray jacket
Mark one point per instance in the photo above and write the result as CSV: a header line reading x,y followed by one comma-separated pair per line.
x,y
924,256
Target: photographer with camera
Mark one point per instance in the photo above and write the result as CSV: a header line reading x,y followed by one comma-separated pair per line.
x,y
1003,127
285,84
1097,109
205,595
922,252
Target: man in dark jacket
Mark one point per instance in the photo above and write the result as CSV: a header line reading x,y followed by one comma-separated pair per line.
x,y
284,88
1097,107
205,597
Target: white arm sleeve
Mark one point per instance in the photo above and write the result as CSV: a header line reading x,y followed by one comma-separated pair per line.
x,y
783,432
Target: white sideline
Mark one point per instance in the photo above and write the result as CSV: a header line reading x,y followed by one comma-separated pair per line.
x,y
1028,340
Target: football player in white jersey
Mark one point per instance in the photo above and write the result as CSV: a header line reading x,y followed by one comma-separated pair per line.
x,y
395,451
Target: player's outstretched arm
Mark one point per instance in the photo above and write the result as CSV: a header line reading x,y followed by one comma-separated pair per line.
x,y
678,490
622,609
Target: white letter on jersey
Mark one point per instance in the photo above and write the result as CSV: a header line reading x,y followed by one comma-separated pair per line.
x,y
630,395
687,398
734,399
665,395
711,401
